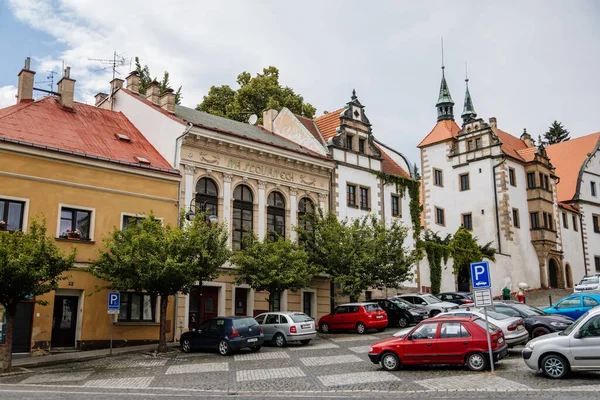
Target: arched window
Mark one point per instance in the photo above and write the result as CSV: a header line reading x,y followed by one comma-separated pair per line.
x,y
207,197
275,215
305,208
242,215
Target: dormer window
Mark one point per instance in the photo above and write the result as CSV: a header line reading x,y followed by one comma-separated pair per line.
x,y
361,145
349,142
142,160
122,137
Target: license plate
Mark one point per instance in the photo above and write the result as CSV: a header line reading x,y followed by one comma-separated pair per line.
x,y
500,341
520,328
379,316
251,340
305,326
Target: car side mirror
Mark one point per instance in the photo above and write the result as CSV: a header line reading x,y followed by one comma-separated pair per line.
x,y
577,335
409,337
423,303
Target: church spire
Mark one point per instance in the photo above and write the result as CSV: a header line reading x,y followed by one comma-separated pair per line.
x,y
469,112
445,105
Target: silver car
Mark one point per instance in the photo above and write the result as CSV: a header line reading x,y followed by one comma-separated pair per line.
x,y
289,326
577,348
512,327
430,302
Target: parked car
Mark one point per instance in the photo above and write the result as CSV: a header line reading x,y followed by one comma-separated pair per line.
x,y
536,321
575,305
588,284
577,348
460,298
351,316
445,340
284,327
433,305
399,313
224,334
513,328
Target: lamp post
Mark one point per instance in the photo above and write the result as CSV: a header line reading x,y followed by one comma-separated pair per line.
x,y
191,214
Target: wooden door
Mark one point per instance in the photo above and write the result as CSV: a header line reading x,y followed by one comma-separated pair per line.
x,y
210,302
64,322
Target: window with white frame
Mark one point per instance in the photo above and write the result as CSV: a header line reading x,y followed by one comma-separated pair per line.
x,y
75,223
12,213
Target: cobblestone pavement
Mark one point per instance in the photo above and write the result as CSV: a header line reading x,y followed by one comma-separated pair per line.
x,y
330,364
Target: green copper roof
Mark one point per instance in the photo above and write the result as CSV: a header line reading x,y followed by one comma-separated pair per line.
x,y
444,97
468,109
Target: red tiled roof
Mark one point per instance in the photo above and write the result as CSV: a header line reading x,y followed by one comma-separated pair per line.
x,y
511,146
528,154
309,124
389,166
87,131
567,159
442,131
570,207
328,124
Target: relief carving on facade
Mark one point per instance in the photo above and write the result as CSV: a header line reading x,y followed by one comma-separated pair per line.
x,y
307,180
189,169
227,177
210,158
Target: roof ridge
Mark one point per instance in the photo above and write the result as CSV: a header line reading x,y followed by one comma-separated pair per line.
x,y
329,113
572,140
25,105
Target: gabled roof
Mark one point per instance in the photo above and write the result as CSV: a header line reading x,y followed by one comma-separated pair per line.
x,y
329,123
442,131
389,166
310,125
568,158
144,100
511,146
87,131
528,154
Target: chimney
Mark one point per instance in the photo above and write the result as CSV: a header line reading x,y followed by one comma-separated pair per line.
x,y
167,101
268,118
133,82
526,137
493,123
100,98
25,85
115,85
66,89
153,92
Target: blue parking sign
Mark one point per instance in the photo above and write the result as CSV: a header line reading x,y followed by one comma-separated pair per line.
x,y
480,275
114,302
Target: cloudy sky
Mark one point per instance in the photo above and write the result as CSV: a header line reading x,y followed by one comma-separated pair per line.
x,y
529,62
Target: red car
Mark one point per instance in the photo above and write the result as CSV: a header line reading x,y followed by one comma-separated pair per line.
x,y
444,340
351,316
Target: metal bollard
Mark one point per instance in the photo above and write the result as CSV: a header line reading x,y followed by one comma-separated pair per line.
x,y
550,299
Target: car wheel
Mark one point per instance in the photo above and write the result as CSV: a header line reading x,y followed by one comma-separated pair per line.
x,y
555,366
280,340
224,348
390,361
361,328
476,362
539,331
324,327
255,348
186,346
305,342
402,322
433,313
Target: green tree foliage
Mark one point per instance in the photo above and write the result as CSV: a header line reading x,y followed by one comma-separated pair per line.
x,y
146,79
272,265
162,260
556,133
254,95
359,254
30,265
415,172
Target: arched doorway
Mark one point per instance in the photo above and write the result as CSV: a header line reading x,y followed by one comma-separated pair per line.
x,y
569,275
553,273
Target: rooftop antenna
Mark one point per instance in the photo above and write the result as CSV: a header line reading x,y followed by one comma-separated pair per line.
x,y
117,61
49,81
253,119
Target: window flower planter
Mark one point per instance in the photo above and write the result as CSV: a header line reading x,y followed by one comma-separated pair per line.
x,y
3,225
73,235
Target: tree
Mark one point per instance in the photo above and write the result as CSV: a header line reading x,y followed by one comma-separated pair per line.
x,y
30,265
255,95
415,172
465,250
162,260
146,79
556,134
272,266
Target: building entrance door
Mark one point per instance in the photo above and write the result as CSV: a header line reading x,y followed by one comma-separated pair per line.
x,y
241,301
210,302
64,321
22,328
553,274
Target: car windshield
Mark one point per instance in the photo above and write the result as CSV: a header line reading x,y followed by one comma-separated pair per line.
x,y
400,300
301,318
528,310
371,307
244,323
481,323
590,280
496,315
430,299
574,325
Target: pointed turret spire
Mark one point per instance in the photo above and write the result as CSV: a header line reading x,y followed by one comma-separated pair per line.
x,y
353,94
445,105
469,112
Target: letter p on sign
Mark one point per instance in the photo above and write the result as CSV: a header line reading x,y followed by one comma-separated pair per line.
x,y
480,275
114,302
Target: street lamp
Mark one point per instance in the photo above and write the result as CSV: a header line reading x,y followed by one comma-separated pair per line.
x,y
191,214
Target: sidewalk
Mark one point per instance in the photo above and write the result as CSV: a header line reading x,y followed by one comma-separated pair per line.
x,y
76,356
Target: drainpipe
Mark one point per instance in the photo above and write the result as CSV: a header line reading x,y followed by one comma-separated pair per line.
x,y
496,203
177,150
585,263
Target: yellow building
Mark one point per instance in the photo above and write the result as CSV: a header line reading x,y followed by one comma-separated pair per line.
x,y
89,170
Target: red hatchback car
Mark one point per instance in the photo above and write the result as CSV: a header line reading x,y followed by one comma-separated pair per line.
x,y
454,340
351,316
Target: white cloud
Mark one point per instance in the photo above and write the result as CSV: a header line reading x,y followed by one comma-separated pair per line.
x,y
7,96
529,62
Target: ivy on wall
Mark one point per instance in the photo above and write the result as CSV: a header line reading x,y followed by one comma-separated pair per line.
x,y
437,250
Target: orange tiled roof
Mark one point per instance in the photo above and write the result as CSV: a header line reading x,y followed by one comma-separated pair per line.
x,y
389,166
528,154
309,124
443,130
89,131
511,145
328,124
567,159
570,207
